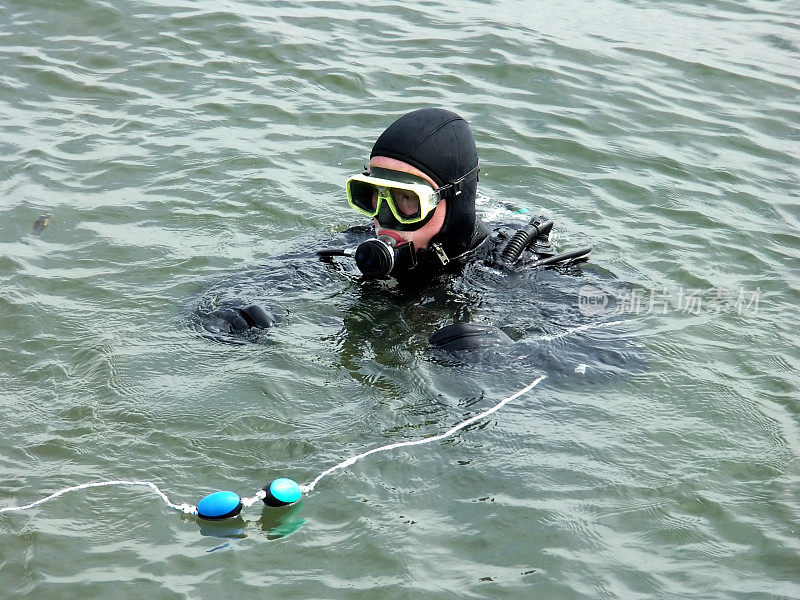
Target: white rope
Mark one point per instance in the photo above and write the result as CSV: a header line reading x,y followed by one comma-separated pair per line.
x,y
260,495
185,508
578,329
307,488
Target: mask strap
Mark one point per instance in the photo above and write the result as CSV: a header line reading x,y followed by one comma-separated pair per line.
x,y
455,188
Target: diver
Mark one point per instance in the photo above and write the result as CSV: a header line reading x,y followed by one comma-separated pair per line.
x,y
420,191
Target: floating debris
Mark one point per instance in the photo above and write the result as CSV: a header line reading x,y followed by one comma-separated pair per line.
x,y
41,223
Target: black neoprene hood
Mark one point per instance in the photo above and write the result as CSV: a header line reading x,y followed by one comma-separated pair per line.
x,y
439,143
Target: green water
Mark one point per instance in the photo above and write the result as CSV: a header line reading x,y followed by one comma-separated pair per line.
x,y
178,142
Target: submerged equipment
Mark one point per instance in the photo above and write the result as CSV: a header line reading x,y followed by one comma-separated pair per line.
x,y
469,336
571,255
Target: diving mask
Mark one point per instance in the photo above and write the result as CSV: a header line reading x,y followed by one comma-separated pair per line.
x,y
409,202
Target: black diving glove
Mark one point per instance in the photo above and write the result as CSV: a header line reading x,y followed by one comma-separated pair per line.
x,y
469,336
237,324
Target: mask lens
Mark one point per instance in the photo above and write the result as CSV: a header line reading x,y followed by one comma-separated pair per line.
x,y
407,204
363,196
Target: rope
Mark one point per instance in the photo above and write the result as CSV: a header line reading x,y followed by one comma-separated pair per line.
x,y
185,508
578,329
260,495
428,440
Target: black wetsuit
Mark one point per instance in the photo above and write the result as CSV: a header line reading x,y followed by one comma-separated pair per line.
x,y
503,313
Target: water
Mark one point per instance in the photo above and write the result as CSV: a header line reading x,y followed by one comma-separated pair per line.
x,y
176,143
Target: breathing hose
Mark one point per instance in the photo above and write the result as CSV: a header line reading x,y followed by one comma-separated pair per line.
x,y
330,252
522,238
550,260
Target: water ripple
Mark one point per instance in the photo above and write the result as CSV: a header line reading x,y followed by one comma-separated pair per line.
x,y
175,143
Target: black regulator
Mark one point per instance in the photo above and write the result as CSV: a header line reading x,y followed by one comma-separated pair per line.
x,y
380,257
384,256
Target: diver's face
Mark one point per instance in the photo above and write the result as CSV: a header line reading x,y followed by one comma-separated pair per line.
x,y
422,236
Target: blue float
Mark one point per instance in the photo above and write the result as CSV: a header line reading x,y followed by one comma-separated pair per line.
x,y
219,505
282,492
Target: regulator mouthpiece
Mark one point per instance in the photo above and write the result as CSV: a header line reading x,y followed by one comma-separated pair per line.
x,y
375,259
379,257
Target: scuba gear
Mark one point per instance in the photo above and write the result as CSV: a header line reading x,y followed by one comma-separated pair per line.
x,y
420,188
571,255
378,257
522,239
384,256
409,202
381,257
536,229
430,145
